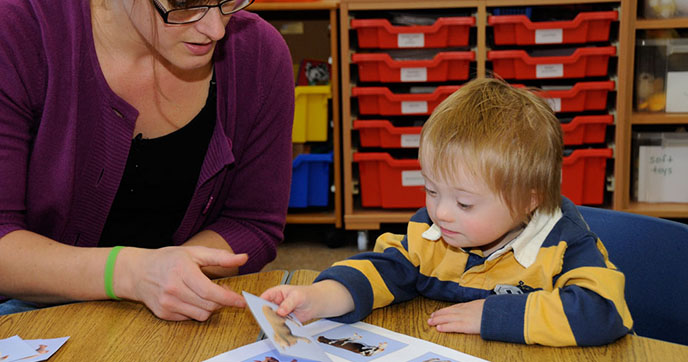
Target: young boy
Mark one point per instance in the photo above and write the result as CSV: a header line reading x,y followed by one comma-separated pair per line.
x,y
496,236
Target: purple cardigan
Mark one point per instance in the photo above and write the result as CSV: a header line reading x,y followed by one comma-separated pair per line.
x,y
65,135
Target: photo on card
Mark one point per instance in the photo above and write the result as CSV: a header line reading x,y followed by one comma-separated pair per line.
x,y
355,344
14,348
275,356
285,333
432,357
44,348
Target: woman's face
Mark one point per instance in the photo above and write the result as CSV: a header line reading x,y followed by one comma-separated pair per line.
x,y
185,46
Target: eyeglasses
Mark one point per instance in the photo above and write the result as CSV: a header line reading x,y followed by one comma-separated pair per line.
x,y
196,13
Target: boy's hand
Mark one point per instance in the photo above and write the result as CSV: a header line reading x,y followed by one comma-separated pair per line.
x,y
326,298
460,318
291,299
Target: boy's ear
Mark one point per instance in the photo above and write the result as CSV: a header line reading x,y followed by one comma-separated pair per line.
x,y
534,201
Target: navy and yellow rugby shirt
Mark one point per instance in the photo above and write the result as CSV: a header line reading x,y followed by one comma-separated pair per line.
x,y
572,293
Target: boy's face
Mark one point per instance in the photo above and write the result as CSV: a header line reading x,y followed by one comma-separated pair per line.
x,y
468,213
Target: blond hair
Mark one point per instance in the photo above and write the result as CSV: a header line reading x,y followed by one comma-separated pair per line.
x,y
508,137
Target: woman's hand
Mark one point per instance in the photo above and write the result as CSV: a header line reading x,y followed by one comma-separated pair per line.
x,y
326,298
461,317
169,281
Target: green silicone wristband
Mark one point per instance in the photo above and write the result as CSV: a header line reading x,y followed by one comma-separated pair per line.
x,y
109,271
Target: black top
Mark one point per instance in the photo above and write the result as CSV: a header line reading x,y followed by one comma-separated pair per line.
x,y
158,182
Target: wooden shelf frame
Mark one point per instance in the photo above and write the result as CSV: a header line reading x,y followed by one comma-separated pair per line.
x,y
672,23
361,219
345,212
658,118
659,209
295,5
356,218
334,217
624,126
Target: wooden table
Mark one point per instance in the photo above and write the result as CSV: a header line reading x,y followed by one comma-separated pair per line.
x,y
125,331
411,317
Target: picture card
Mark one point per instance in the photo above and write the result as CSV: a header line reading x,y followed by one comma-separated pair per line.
x,y
286,333
398,347
355,344
43,348
14,348
262,351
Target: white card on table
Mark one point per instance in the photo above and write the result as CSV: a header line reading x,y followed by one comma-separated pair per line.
x,y
44,348
285,333
14,348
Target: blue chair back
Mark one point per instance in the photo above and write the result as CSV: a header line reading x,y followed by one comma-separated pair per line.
x,y
653,255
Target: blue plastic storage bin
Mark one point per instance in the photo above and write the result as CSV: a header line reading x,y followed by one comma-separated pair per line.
x,y
527,11
310,181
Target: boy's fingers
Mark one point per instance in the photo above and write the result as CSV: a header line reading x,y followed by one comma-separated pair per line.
x,y
273,295
287,306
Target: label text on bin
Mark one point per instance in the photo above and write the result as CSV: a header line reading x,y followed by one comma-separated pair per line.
x,y
555,103
409,107
549,36
412,178
549,70
410,140
411,40
414,74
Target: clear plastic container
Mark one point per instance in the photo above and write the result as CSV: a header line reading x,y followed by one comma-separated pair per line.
x,y
661,75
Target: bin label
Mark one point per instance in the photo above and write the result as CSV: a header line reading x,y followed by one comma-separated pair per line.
x,y
548,36
410,140
408,107
549,71
555,103
412,178
414,74
410,40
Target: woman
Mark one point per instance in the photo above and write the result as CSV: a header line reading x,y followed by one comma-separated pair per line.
x,y
160,125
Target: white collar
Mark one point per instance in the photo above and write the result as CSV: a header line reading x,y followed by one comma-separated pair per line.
x,y
525,246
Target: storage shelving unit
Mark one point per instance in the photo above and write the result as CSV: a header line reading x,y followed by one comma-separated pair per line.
x,y
346,209
325,9
355,216
360,218
623,200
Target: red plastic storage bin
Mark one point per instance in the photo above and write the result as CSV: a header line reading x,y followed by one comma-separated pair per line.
x,y
583,175
381,101
380,67
583,96
586,129
445,32
519,30
584,62
389,183
382,133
